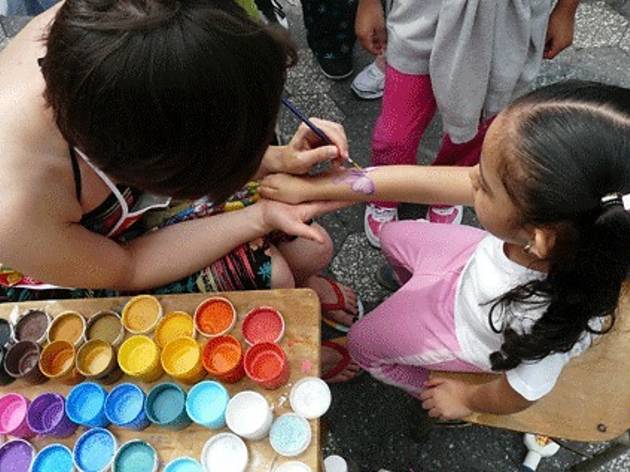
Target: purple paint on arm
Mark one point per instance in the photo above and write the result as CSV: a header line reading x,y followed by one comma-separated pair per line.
x,y
358,181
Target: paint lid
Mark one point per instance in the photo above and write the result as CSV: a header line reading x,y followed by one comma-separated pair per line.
x,y
67,326
141,314
94,450
310,397
136,455
85,402
57,359
124,404
105,325
32,326
175,324
45,412
183,464
264,361
180,356
222,354
53,458
13,410
6,332
206,401
290,435
165,403
247,413
137,355
335,464
95,357
293,466
225,452
16,456
263,324
215,316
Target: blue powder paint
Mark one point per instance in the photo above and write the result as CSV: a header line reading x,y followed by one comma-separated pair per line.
x,y
85,402
136,456
207,402
167,405
94,450
54,458
183,464
289,434
124,404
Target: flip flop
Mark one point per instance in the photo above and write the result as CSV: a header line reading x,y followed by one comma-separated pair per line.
x,y
340,305
339,345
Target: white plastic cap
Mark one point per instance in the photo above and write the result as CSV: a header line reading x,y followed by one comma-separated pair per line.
x,y
335,464
310,397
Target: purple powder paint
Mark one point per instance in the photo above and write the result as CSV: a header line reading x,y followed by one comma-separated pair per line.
x,y
16,456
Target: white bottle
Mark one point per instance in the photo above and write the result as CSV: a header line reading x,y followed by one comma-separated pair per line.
x,y
538,446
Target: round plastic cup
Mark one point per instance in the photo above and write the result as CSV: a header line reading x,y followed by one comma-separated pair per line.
x,y
223,359
139,357
263,325
175,324
136,455
310,397
141,314
293,466
32,326
225,452
249,415
206,404
96,359
47,416
16,456
53,458
22,361
6,332
68,326
85,405
290,435
183,464
94,450
58,361
13,412
5,378
215,316
181,359
107,326
166,406
124,407
267,365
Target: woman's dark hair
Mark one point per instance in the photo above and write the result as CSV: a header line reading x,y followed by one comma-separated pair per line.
x,y
569,147
176,97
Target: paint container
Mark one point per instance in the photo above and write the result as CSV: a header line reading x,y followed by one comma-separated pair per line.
x,y
181,359
267,365
16,456
124,407
215,316
249,415
13,412
85,405
96,359
32,326
107,326
290,435
263,325
22,362
225,452
141,314
6,333
53,458
223,359
139,357
175,324
58,361
47,416
183,464
94,450
293,466
5,378
206,404
166,406
136,456
310,397
68,326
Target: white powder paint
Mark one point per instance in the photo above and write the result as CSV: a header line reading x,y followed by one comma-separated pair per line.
x,y
310,397
247,413
225,452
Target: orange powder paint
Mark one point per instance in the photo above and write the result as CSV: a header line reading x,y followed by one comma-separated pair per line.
x,y
224,358
215,317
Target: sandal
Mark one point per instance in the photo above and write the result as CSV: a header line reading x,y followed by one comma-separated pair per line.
x,y
338,345
340,305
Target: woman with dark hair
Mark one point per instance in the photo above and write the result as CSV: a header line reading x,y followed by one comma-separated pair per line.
x,y
522,298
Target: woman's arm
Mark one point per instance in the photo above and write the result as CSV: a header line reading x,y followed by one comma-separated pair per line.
x,y
413,184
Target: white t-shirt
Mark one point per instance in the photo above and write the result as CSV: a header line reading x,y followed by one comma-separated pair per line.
x,y
487,275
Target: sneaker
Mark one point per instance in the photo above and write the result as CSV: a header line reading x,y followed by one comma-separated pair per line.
x,y
335,67
273,13
375,218
369,83
445,214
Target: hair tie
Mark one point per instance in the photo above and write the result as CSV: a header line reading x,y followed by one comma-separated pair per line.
x,y
614,199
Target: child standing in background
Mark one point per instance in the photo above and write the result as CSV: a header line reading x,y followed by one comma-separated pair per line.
x,y
466,58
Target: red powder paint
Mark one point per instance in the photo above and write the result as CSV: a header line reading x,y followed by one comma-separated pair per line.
x,y
215,317
266,365
263,325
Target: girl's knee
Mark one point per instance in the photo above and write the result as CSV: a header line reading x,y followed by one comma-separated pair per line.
x,y
322,252
281,274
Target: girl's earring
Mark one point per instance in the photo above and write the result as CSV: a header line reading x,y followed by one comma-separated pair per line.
x,y
528,248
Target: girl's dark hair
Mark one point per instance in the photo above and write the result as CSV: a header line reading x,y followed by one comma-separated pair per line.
x,y
176,97
569,147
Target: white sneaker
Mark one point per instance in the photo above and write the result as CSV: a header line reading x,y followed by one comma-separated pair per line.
x,y
445,214
369,84
374,219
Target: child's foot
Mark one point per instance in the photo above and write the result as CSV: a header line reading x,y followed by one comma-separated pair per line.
x,y
369,84
445,214
375,217
340,304
337,366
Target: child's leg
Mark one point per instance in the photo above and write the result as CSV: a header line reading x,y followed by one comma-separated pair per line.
x,y
464,154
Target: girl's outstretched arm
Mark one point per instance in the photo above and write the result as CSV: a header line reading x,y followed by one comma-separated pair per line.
x,y
412,184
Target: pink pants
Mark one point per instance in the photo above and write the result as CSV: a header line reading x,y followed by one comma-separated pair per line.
x,y
408,108
413,331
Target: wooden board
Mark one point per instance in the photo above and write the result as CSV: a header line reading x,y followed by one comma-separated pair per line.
x,y
301,310
591,401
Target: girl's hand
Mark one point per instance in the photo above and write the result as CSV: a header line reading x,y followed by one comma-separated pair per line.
x,y
561,28
285,188
445,398
370,26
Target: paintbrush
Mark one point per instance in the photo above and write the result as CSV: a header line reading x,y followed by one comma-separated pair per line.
x,y
314,128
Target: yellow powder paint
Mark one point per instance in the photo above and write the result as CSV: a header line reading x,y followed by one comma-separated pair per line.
x,y
67,327
140,357
96,360
183,359
56,362
141,313
174,325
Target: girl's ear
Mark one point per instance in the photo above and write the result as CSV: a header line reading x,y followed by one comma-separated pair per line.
x,y
543,241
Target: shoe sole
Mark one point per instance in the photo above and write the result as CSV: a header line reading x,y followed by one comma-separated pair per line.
x,y
373,240
366,96
456,221
336,77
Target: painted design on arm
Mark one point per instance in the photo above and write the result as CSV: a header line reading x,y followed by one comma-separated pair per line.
x,y
358,180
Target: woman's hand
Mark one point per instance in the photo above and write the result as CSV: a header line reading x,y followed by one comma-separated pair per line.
x,y
561,28
369,26
445,399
